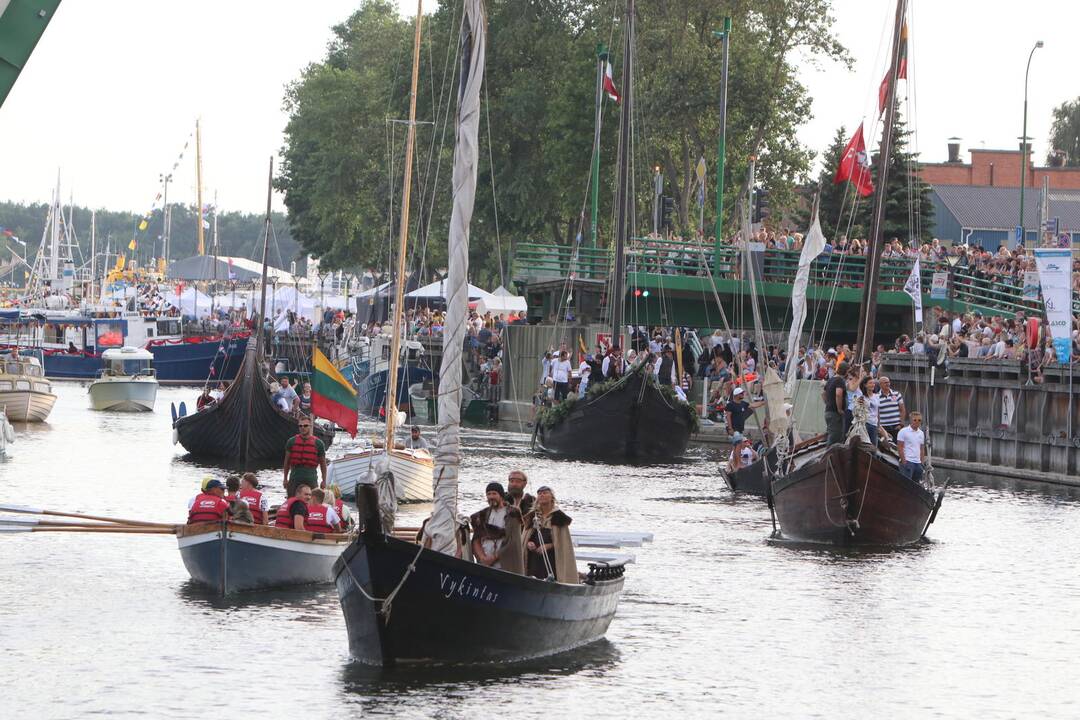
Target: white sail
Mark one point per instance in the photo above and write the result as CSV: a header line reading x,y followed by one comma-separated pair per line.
x,y
440,529
813,245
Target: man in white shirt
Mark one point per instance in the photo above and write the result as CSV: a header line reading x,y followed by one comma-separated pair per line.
x,y
911,445
584,370
560,375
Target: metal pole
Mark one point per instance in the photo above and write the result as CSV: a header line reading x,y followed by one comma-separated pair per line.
x,y
658,186
725,37
594,190
1024,146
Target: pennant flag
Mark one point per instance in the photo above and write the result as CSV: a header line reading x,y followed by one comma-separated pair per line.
x,y
582,350
913,287
609,84
901,70
131,245
855,165
332,396
142,226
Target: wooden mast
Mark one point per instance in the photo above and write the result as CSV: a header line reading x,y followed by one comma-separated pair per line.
x,y
397,315
864,343
624,196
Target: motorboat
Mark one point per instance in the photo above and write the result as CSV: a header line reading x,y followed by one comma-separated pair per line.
x,y
127,382
25,394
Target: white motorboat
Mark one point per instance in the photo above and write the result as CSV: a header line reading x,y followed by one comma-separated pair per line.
x,y
127,382
25,394
412,469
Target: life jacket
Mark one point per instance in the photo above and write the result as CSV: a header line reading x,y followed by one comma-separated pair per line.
x,y
253,498
304,452
231,498
339,508
283,519
207,508
316,519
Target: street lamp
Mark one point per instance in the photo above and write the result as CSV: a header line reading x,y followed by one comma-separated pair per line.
x,y
1024,145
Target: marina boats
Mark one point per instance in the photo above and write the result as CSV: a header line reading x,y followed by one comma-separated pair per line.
x,y
371,387
232,557
421,602
412,471
126,383
25,393
852,493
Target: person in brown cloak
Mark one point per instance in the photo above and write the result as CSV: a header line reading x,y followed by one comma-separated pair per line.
x,y
549,551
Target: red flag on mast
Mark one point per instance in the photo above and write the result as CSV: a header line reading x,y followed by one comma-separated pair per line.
x,y
901,70
855,165
609,84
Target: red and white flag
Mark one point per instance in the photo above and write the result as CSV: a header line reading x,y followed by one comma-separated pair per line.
x,y
855,165
609,84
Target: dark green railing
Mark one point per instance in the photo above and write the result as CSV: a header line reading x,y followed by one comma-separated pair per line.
x,y
654,262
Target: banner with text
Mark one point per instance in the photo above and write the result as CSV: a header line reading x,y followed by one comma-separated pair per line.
x,y
1055,276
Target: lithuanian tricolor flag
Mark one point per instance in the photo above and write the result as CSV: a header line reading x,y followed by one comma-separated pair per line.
x,y
332,397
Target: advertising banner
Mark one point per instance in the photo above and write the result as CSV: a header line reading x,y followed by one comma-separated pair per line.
x,y
1055,276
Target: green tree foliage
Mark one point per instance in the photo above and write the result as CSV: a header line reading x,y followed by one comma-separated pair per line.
x,y
909,212
239,234
1065,133
344,197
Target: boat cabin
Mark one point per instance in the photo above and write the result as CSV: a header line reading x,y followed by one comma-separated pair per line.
x,y
127,362
22,373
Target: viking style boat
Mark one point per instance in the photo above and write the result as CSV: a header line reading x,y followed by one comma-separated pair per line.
x,y
854,493
25,394
245,424
408,602
232,557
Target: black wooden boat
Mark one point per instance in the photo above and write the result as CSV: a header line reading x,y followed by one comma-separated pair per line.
x,y
752,479
245,423
631,422
851,494
432,608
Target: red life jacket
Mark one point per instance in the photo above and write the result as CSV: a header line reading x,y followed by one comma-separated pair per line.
x,y
283,519
253,498
316,519
230,498
207,508
339,508
304,452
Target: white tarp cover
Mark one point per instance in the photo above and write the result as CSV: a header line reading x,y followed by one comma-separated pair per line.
x,y
190,302
813,246
501,301
289,298
438,290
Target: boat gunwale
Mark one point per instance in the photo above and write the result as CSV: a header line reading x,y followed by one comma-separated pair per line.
x,y
263,531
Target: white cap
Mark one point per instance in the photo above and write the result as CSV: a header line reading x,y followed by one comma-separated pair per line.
x,y
738,391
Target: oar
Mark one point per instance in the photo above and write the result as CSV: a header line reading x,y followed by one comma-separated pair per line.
x,y
39,511
90,529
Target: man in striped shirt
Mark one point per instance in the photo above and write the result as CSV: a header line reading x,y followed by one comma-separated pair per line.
x,y
891,412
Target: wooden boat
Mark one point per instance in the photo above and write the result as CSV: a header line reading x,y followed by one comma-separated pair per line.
x,y
406,602
752,479
412,471
244,423
127,381
633,422
25,394
850,494
232,557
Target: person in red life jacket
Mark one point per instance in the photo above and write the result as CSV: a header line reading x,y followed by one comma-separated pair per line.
x,y
210,505
304,453
255,500
321,518
333,494
293,512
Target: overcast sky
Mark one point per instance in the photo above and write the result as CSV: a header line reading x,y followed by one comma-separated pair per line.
x,y
112,91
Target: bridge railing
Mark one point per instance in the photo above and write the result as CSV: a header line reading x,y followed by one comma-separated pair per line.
x,y
660,258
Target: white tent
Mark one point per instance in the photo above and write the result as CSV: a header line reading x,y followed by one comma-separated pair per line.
x,y
190,301
501,301
436,290
289,298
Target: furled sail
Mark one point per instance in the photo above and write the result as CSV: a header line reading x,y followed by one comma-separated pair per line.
x,y
440,531
813,245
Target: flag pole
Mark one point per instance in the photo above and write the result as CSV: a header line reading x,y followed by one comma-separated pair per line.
x,y
594,189
725,36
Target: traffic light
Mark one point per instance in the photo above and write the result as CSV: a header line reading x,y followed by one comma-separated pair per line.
x,y
760,205
667,208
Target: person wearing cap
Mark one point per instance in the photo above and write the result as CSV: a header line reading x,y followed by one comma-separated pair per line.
x,y
202,488
210,505
549,550
742,452
416,441
489,527
664,367
738,410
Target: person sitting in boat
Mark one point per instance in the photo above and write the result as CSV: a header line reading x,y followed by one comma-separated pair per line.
x,y
305,399
257,503
218,392
742,452
415,440
516,495
333,497
292,514
303,454
549,551
205,399
321,518
289,394
210,505
489,527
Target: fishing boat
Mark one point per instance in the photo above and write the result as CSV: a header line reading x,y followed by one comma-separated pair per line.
x,y
420,602
412,471
853,493
245,424
126,383
634,419
25,394
232,557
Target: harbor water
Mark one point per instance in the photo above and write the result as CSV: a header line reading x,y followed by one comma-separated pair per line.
x,y
982,620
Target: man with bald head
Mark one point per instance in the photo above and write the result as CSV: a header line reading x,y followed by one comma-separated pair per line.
x,y
516,495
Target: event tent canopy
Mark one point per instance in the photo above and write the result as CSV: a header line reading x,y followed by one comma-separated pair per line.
x,y
437,290
501,301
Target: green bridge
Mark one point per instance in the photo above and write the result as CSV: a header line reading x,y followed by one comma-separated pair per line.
x,y
674,282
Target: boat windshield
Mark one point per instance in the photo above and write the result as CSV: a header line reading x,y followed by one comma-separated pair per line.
x,y
129,367
13,368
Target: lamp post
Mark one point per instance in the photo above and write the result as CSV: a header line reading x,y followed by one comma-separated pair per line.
x,y
1024,145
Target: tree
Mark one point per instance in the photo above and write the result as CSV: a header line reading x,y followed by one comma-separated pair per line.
x,y
909,211
1065,133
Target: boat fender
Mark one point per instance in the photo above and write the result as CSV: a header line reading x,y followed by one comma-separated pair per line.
x,y
175,436
183,409
172,409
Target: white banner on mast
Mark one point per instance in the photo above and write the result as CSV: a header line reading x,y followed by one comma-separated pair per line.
x,y
1055,276
913,287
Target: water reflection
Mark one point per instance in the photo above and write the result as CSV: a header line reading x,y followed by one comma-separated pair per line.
x,y
308,597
